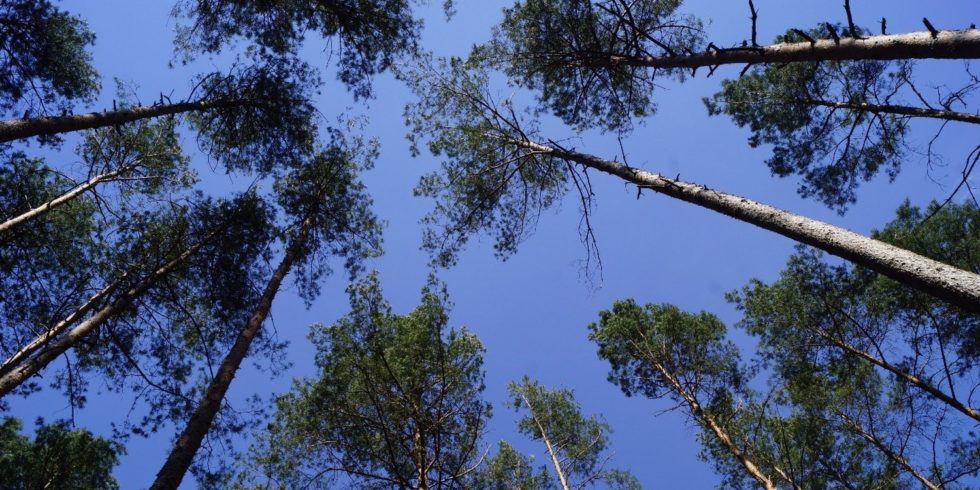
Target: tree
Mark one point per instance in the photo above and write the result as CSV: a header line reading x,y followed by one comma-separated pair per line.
x,y
331,218
58,457
576,444
496,176
397,404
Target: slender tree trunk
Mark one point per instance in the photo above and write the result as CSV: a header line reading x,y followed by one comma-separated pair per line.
x,y
15,129
898,109
64,198
17,375
421,473
904,375
946,44
182,454
896,458
59,327
547,444
720,433
943,281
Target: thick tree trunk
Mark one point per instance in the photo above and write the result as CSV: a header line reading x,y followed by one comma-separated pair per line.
x,y
182,454
59,327
547,444
15,129
707,421
66,197
898,109
943,281
944,44
17,375
902,374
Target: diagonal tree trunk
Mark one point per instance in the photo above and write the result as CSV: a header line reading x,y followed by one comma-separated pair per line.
x,y
948,115
896,458
15,129
29,367
943,281
945,44
182,454
547,444
66,197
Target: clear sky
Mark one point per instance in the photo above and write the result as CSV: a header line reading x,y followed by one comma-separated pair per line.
x,y
531,311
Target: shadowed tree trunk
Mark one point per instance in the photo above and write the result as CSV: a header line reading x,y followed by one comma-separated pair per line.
x,y
182,454
943,281
898,109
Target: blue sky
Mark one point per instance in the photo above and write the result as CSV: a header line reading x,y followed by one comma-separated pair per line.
x,y
531,311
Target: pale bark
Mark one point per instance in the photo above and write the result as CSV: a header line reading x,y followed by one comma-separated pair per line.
x,y
892,455
946,44
65,198
59,327
904,375
182,455
552,453
948,115
719,432
17,375
15,129
943,281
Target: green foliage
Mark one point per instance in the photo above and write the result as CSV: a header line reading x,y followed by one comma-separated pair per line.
x,y
485,183
832,149
565,49
43,63
58,457
398,397
509,470
369,35
580,443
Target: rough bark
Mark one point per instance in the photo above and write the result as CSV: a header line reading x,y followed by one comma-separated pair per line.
x,y
904,375
719,432
899,109
15,129
945,44
64,198
182,455
943,281
17,375
547,444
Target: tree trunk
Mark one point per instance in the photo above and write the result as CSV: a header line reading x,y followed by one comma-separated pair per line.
x,y
17,375
898,109
182,454
720,433
946,44
64,198
15,129
59,327
943,281
547,444
894,457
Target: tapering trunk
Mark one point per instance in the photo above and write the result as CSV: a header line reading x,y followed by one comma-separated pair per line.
x,y
892,455
943,281
65,198
15,129
898,109
904,375
29,367
182,454
552,453
945,44
707,421
55,330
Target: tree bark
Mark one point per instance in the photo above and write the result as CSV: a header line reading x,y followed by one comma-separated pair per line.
x,y
64,198
182,454
547,444
945,44
15,129
898,109
17,375
943,281
720,433
896,458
